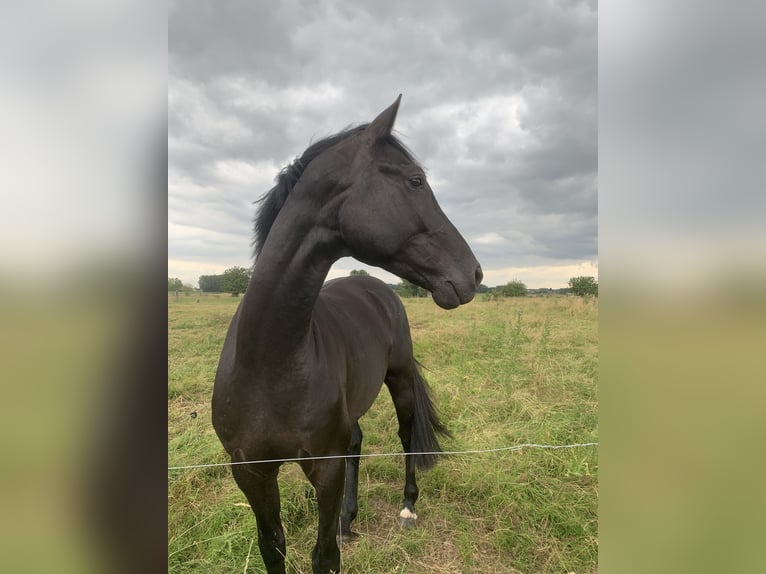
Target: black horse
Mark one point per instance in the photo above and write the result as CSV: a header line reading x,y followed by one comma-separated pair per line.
x,y
303,359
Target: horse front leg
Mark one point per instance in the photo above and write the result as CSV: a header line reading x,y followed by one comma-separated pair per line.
x,y
350,497
327,477
259,483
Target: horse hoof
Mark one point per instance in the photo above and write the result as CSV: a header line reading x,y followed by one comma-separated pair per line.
x,y
406,523
407,518
347,538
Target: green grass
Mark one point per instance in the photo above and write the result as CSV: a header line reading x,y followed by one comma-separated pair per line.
x,y
503,372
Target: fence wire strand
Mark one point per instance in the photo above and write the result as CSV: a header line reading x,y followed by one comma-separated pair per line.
x,y
389,454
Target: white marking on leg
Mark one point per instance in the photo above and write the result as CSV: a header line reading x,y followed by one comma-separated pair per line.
x,y
406,513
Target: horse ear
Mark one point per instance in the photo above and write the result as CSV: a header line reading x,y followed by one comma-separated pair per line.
x,y
380,128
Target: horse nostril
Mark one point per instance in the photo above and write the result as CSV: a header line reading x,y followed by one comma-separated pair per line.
x,y
479,275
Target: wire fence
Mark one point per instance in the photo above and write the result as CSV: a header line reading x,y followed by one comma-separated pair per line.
x,y
389,454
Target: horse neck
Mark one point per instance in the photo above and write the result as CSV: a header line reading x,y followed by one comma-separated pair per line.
x,y
289,273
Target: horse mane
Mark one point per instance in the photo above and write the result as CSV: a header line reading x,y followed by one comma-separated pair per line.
x,y
272,201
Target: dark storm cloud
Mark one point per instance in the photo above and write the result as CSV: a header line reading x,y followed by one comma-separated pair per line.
x,y
499,104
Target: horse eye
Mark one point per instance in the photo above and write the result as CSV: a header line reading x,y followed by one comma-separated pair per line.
x,y
416,181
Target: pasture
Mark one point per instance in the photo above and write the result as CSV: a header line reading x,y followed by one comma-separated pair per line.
x,y
502,372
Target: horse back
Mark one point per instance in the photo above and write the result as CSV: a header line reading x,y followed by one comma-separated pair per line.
x,y
363,310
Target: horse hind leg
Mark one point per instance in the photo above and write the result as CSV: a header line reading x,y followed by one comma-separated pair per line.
x,y
418,426
350,506
400,387
259,484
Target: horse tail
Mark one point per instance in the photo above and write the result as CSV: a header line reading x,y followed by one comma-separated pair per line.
x,y
425,423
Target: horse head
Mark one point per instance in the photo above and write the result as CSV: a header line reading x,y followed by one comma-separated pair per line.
x,y
389,218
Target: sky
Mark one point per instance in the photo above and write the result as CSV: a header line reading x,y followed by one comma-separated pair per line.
x,y
499,105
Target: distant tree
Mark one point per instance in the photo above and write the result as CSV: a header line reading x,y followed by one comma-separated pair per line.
x,y
584,286
492,294
483,288
514,288
210,283
174,284
409,289
235,280
358,272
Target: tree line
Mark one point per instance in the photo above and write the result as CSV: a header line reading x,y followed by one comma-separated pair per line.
x,y
236,279
581,286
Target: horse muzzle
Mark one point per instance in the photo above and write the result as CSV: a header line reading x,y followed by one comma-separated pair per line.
x,y
449,294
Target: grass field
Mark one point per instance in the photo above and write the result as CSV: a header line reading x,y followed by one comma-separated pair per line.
x,y
503,372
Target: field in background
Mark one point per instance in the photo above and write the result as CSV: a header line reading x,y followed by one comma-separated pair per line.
x,y
503,372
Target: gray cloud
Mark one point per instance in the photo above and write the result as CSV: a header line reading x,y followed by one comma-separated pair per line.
x,y
499,104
